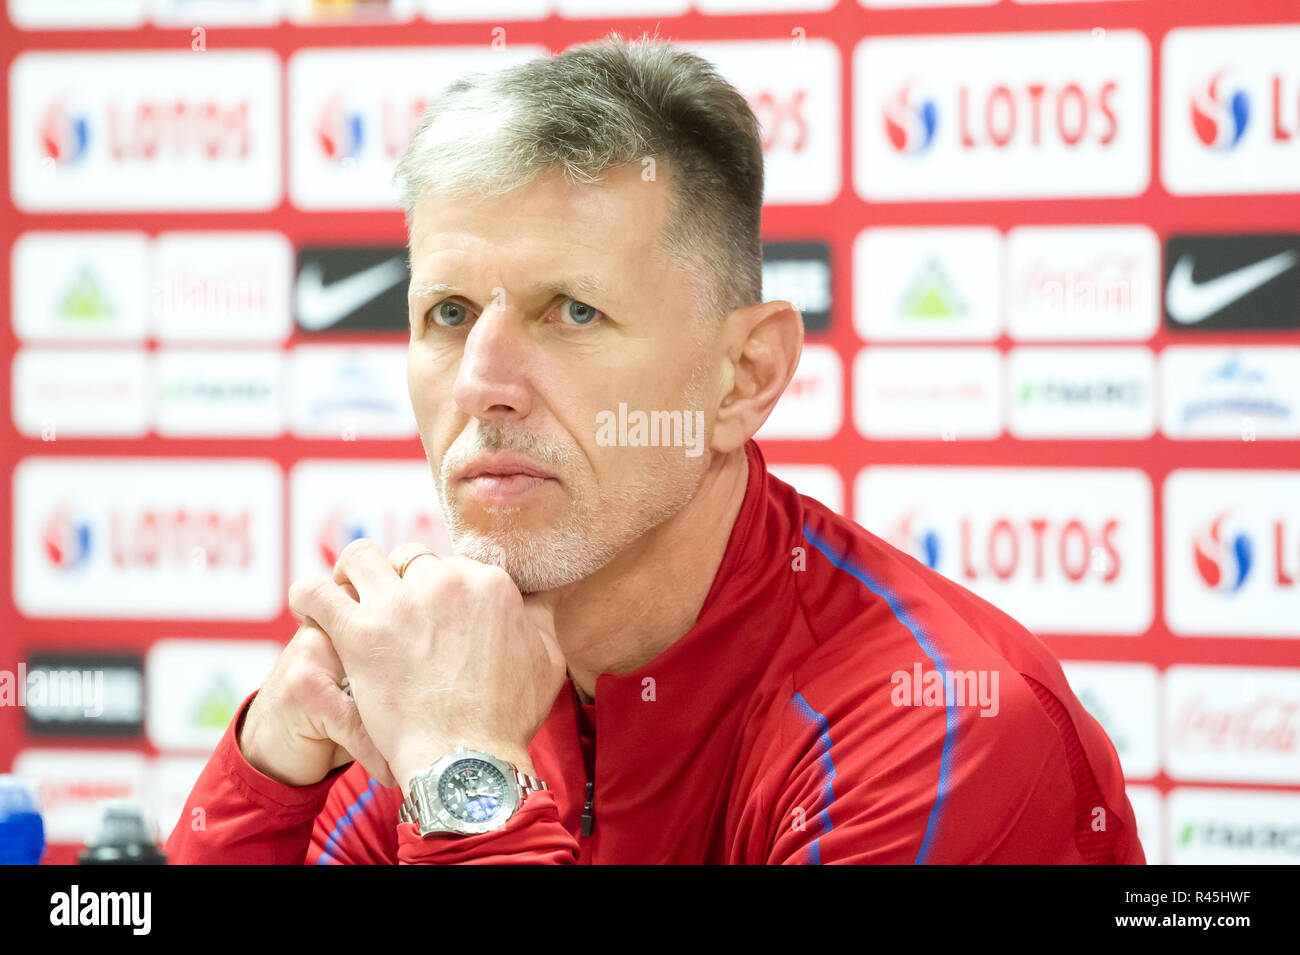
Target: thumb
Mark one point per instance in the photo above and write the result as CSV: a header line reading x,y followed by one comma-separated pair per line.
x,y
351,736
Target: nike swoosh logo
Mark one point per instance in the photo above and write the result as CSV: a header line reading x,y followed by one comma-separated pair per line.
x,y
1189,302
320,305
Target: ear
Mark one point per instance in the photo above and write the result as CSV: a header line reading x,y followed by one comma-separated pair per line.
x,y
764,343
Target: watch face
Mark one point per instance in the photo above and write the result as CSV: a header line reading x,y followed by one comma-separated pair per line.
x,y
472,790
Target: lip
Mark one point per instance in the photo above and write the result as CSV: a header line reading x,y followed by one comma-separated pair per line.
x,y
504,480
503,464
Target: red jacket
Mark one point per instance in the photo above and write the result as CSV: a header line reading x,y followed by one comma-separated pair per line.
x,y
787,725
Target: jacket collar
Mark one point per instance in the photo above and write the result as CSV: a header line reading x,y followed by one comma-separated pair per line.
x,y
666,732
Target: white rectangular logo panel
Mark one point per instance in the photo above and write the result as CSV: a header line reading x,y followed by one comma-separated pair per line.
x,y
348,392
61,393
940,394
1081,392
1062,550
223,394
1238,394
1083,282
928,284
1002,116
1239,724
145,130
222,286
81,286
71,783
196,686
147,537
1233,827
1232,553
1230,110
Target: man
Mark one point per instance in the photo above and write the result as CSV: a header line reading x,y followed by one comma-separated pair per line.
x,y
699,664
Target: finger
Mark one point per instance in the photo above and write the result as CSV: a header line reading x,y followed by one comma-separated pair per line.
x,y
363,565
540,608
407,552
364,752
322,600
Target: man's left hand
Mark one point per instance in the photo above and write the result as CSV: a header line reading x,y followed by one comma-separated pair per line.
x,y
450,654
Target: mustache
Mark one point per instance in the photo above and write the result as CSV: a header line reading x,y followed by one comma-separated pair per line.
x,y
500,437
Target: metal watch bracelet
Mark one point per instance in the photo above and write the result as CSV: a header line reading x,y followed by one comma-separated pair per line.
x,y
410,810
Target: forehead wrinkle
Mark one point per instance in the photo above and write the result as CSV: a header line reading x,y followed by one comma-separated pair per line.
x,y
586,285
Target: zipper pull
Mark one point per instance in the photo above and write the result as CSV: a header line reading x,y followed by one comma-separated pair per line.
x,y
588,811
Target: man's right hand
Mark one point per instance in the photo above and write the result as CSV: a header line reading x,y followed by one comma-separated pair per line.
x,y
302,723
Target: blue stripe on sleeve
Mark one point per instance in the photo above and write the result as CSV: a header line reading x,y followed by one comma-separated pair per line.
x,y
827,767
930,649
345,822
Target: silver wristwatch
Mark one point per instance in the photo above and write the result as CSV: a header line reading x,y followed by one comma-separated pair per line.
x,y
466,792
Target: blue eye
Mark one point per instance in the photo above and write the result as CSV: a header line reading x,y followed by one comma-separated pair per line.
x,y
449,314
580,313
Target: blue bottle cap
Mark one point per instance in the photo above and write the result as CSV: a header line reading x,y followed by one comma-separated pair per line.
x,y
22,834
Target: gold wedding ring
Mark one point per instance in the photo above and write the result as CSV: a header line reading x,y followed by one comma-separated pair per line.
x,y
407,563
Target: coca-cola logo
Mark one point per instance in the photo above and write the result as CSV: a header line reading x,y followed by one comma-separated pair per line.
x,y
1266,725
56,794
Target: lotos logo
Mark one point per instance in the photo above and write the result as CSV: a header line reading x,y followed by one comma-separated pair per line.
x,y
66,540
1220,113
64,134
922,543
1068,114
781,120
386,528
336,532
1223,565
157,537
910,126
1266,724
339,131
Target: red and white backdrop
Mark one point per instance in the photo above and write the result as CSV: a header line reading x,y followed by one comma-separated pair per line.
x,y
1048,255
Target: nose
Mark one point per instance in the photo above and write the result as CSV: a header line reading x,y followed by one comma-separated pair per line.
x,y
491,382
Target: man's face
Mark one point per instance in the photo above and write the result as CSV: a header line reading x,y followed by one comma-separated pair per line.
x,y
534,315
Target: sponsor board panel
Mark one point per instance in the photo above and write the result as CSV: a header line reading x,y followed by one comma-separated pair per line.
x,y
927,284
1234,393
1082,282
946,394
1080,392
147,538
145,130
1232,553
1230,110
1062,550
1233,827
1232,724
196,687
1002,116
